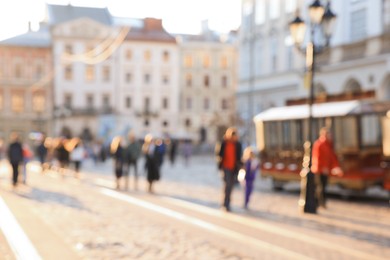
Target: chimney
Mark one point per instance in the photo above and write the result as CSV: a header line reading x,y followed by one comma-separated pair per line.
x,y
153,24
29,26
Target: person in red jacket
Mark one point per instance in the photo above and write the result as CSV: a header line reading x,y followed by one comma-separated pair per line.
x,y
324,162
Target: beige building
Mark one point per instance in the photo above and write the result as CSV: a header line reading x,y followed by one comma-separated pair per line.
x,y
26,85
208,83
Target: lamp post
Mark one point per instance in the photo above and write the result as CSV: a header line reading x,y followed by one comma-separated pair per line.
x,y
322,20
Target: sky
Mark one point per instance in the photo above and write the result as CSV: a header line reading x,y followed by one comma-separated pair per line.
x,y
179,16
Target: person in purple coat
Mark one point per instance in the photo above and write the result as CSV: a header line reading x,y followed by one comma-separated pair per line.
x,y
251,166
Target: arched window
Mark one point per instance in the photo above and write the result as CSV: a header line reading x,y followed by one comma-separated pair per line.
x,y
352,87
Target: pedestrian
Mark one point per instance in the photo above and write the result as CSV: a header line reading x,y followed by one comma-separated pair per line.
x,y
187,151
152,161
251,167
62,155
172,151
42,153
117,152
27,156
229,162
77,156
15,156
132,153
324,162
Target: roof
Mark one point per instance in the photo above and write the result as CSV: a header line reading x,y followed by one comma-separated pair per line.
x,y
62,13
321,110
151,30
39,38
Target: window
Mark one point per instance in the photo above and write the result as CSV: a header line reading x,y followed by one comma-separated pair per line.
x,y
147,104
290,57
165,123
38,102
68,100
260,12
129,77
165,79
346,133
274,54
129,54
90,101
224,62
189,80
224,104
147,56
206,81
18,71
38,72
147,78
188,122
68,49
165,56
106,101
224,81
274,9
17,102
128,102
358,24
106,73
68,72
189,103
188,62
206,61
206,104
165,103
371,130
89,73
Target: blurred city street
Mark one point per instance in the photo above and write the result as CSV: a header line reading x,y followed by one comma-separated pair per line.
x,y
63,217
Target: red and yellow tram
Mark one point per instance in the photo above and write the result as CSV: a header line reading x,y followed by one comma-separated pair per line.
x,y
361,136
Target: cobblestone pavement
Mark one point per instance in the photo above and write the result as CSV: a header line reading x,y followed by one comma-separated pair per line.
x,y
182,219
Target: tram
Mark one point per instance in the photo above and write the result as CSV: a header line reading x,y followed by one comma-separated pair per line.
x,y
361,138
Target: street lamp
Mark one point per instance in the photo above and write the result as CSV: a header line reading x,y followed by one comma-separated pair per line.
x,y
322,19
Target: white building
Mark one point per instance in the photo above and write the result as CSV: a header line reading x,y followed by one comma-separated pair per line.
x,y
271,69
84,42
148,78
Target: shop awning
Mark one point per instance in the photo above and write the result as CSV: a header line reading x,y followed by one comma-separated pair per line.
x,y
321,110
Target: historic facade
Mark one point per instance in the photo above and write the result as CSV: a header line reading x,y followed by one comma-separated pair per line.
x,y
271,69
208,83
26,84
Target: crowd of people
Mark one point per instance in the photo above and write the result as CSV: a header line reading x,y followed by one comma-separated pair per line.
x,y
235,164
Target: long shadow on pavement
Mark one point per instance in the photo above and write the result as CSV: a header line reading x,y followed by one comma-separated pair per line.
x,y
298,222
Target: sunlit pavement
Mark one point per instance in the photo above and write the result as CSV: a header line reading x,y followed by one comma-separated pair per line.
x,y
66,217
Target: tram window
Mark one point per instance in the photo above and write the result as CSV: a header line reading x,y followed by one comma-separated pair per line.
x,y
286,131
346,133
296,135
371,135
271,134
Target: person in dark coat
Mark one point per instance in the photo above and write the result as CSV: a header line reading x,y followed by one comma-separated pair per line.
x,y
132,153
152,161
15,156
62,155
229,161
117,152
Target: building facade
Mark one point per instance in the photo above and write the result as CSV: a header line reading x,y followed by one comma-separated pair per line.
x,y
148,80
208,83
271,69
26,85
